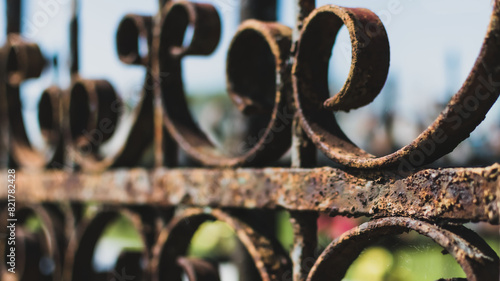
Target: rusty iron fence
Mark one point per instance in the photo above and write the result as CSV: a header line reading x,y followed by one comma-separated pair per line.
x,y
277,76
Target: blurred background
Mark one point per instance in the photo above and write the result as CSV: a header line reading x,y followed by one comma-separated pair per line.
x,y
434,44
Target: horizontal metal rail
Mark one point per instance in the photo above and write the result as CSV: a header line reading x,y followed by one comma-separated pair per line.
x,y
456,194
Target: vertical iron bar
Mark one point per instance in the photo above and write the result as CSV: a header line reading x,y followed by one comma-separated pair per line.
x,y
166,150
304,244
13,10
13,16
264,10
305,8
303,155
303,149
74,36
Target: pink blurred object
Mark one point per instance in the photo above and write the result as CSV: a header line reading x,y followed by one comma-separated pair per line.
x,y
333,227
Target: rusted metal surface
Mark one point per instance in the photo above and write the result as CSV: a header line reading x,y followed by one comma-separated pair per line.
x,y
477,259
370,56
463,194
162,257
277,77
303,151
259,68
464,112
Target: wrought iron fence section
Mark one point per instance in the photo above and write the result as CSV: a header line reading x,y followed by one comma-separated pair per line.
x,y
277,77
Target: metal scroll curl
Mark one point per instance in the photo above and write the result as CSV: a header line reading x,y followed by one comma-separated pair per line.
x,y
463,113
38,253
476,258
270,260
85,117
23,60
94,108
81,246
258,82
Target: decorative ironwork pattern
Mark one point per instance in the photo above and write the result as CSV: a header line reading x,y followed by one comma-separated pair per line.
x,y
277,77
